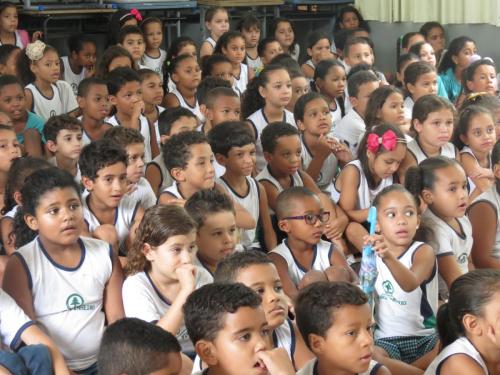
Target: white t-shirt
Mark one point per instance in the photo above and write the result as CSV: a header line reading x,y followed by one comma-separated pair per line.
x,y
492,198
311,368
71,77
349,129
13,322
143,193
154,63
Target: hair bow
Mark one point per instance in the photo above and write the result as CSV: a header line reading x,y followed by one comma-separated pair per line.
x,y
35,50
136,14
388,140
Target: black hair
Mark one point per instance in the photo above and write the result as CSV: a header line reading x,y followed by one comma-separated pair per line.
x,y
172,68
340,38
248,21
415,49
427,104
77,41
358,79
210,61
321,71
207,202
216,93
212,11
486,100
314,37
353,40
6,4
261,47
148,21
229,134
123,137
285,199
350,9
225,39
495,154
274,27
145,73
141,346
8,79
111,53
274,131
376,102
229,267
286,61
176,150
362,67
389,189
426,28
57,123
24,65
303,101
119,77
98,155
465,117
168,117
453,49
316,304
416,69
207,85
206,307
127,30
176,45
85,85
402,61
5,51
468,74
116,22
405,39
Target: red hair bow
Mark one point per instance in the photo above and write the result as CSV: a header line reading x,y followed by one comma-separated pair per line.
x,y
389,140
136,14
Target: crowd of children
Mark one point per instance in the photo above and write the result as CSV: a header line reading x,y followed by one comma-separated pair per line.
x,y
205,211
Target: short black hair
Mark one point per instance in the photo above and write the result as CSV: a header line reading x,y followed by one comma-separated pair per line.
x,y
85,85
207,202
287,196
98,155
209,62
229,267
57,123
261,47
247,21
169,116
229,134
77,41
217,92
273,131
316,302
127,30
176,150
353,40
5,51
205,308
8,79
119,77
141,348
207,84
358,79
123,137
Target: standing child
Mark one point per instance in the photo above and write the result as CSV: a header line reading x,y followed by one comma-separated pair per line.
x,y
300,86
8,59
318,49
152,95
114,57
480,76
154,56
221,104
80,63
420,79
282,30
132,39
81,274
249,27
9,33
216,24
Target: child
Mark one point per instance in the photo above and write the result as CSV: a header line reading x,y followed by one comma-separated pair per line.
x,y
233,145
81,274
488,101
46,95
265,102
425,52
109,214
348,130
357,50
9,33
318,49
114,57
120,19
408,40
170,122
93,102
386,105
420,79
216,24
228,327
64,139
132,142
152,95
282,30
8,59
27,125
480,76
221,104
300,86
161,271
249,27
219,66
268,49
143,348
182,45
442,185
326,310
154,56
406,288
464,324
132,39
80,63
255,270
124,87
433,33
404,61
232,45
214,215
301,216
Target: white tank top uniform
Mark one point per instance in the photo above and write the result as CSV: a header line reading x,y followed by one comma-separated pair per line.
x,y
311,368
418,153
71,77
160,110
253,63
143,193
241,82
183,103
284,337
468,150
62,101
144,129
492,198
173,190
143,300
13,322
166,179
68,302
19,42
321,259
336,116
211,41
86,140
259,122
155,63
408,103
459,346
328,170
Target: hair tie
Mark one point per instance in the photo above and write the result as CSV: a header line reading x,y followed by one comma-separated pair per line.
x,y
388,140
473,97
137,15
35,50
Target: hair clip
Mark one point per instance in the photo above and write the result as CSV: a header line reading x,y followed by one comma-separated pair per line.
x,y
137,15
388,140
35,50
476,96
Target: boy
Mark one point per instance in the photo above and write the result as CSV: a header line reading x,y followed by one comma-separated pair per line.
x,y
268,49
132,346
228,327
110,215
335,321
357,50
221,104
360,86
132,39
301,216
152,96
249,27
93,101
216,232
233,144
63,135
170,122
133,143
80,62
255,270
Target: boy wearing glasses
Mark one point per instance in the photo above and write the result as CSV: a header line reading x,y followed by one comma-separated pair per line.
x,y
303,253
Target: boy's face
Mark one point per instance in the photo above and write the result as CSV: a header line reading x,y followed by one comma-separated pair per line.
x,y
134,43
224,108
360,102
127,97
96,103
317,118
216,237
265,281
223,70
135,162
300,86
69,143
152,90
199,172
272,49
13,101
183,124
348,343
286,157
110,184
10,64
359,53
9,149
240,160
174,365
251,36
87,56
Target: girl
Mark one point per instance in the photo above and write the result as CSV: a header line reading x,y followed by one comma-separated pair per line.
x,y
80,274
406,288
420,79
300,86
249,27
483,214
185,72
9,33
10,151
480,76
152,95
318,49
433,33
120,19
268,48
488,101
455,60
114,57
182,45
468,326
80,63
8,59
282,30
154,56
46,95
403,61
386,105
218,66
381,151
424,51
475,137
160,270
132,39
216,24
265,101
432,126
232,45
407,40
349,18
441,183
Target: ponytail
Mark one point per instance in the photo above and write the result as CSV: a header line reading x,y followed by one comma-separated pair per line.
x,y
446,326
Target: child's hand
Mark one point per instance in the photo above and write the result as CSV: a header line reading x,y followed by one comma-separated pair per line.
x,y
379,245
89,71
138,108
276,361
334,229
342,152
483,173
37,35
324,147
187,277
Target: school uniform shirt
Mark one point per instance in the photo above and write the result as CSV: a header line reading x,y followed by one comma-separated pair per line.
x,y
328,170
143,193
33,122
468,150
173,190
13,322
284,337
21,40
321,259
295,53
419,154
259,121
336,116
311,368
211,41
142,299
408,103
160,110
155,63
241,82
459,346
144,129
12,213
166,178
349,129
62,101
183,103
254,63
68,302
492,198
71,77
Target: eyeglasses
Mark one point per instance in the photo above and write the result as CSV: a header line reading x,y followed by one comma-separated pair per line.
x,y
311,219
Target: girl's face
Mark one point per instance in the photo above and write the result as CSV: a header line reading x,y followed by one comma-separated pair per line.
x,y
393,110
134,44
385,164
218,25
300,86
13,101
153,33
119,62
47,69
480,135
320,51
333,85
187,74
317,118
425,84
272,49
436,39
251,36
9,19
223,70
235,50
278,90
437,128
427,54
401,74
484,80
284,35
417,38
188,49
9,149
349,21
496,115
462,59
152,90
86,57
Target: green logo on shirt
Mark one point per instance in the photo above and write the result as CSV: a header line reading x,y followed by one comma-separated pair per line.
x,y
76,302
388,288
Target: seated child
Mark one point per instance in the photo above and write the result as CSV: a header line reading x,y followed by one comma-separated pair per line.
x,y
216,24
218,66
114,57
359,50
152,95
268,49
420,78
220,104
132,142
318,49
228,327
132,39
8,59
80,63
300,86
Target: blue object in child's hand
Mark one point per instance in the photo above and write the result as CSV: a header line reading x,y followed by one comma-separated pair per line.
x,y
368,270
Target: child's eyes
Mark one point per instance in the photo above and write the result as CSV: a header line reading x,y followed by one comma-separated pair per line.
x,y
259,290
74,206
176,250
278,288
391,215
245,337
266,332
351,333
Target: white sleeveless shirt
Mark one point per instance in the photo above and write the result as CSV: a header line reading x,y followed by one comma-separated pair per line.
x,y
13,322
166,178
19,42
328,170
62,101
311,368
241,82
492,198
468,150
284,337
155,63
183,103
144,129
266,175
143,193
418,153
71,77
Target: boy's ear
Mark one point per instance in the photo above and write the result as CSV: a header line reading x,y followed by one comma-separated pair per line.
x,y
178,174
309,52
317,343
52,146
221,159
203,109
112,99
81,101
207,352
209,113
283,225
31,222
354,101
87,183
